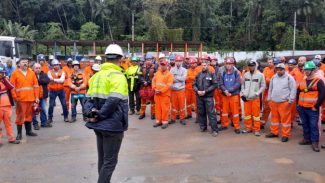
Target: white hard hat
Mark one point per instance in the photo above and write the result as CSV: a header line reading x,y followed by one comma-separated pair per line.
x,y
161,55
318,57
69,60
75,62
113,50
55,62
98,58
91,60
51,57
95,67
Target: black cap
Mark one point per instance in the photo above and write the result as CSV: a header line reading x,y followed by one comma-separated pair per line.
x,y
251,63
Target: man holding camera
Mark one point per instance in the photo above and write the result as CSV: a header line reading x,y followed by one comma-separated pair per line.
x,y
106,110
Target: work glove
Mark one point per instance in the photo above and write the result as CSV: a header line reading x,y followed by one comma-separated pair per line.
x,y
244,98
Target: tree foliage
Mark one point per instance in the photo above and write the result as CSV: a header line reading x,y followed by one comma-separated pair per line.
x,y
220,24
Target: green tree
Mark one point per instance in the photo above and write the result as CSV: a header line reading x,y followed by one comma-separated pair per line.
x,y
54,31
17,30
89,31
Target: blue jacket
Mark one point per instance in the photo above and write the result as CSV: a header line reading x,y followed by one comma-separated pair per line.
x,y
230,82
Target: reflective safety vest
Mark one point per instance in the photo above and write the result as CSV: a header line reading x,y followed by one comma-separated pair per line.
x,y
56,86
132,73
108,82
308,94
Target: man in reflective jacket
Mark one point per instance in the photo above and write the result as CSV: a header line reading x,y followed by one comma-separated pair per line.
x,y
106,109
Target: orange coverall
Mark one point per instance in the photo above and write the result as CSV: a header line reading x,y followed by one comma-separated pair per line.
x,y
189,92
162,81
268,74
5,115
68,71
26,91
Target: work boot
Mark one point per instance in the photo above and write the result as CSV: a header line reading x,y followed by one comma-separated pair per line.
x,y
323,146
50,120
36,127
137,113
157,125
171,122
246,131
73,119
182,122
315,146
257,134
164,126
19,134
214,133
131,112
142,116
271,135
153,117
284,139
28,128
237,131
14,141
305,142
47,125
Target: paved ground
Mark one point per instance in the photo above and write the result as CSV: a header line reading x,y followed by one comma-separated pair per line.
x,y
66,153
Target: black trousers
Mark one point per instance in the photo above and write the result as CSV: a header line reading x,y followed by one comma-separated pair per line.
x,y
108,147
206,108
134,104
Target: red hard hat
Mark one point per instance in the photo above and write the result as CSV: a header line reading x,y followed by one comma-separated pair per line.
x,y
213,58
205,57
193,60
179,58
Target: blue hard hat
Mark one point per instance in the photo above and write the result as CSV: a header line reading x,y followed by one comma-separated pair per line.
x,y
149,56
292,61
317,62
276,60
172,57
40,57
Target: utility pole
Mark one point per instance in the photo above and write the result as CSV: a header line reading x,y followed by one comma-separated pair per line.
x,y
133,25
294,34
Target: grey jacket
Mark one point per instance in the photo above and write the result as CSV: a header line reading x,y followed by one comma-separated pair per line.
x,y
179,78
282,88
253,85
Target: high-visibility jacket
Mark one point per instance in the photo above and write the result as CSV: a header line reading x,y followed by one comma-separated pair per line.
x,y
68,71
88,71
56,86
78,79
26,87
132,75
297,75
308,94
108,92
268,74
191,74
101,84
322,67
163,82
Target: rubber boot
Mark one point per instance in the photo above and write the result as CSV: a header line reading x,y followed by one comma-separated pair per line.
x,y
19,134
28,127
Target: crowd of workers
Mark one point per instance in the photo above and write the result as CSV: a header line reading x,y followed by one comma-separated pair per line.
x,y
175,87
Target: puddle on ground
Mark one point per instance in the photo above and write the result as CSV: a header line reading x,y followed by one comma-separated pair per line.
x,y
169,179
311,176
171,158
63,138
270,140
284,161
196,179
